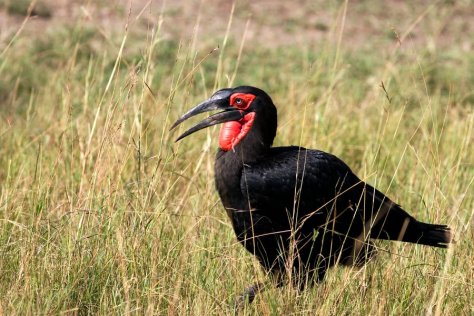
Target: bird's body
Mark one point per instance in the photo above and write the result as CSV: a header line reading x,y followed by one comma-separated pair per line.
x,y
312,201
296,209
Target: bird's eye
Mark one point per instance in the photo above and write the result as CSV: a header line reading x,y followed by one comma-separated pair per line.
x,y
238,101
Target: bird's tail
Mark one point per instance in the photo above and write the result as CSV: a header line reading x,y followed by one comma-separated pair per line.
x,y
428,234
391,222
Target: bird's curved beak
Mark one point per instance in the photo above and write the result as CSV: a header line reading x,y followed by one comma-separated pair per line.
x,y
218,101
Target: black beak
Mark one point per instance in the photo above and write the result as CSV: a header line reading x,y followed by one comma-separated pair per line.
x,y
219,101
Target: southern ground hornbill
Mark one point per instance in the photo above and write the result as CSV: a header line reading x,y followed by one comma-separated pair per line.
x,y
299,211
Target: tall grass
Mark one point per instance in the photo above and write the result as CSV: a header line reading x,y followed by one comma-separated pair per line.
x,y
101,212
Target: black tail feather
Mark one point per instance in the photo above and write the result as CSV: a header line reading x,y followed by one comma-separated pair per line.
x,y
391,222
428,234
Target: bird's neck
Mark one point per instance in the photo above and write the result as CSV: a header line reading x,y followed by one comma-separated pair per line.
x,y
248,150
229,167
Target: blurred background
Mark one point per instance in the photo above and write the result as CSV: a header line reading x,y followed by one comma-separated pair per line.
x,y
431,25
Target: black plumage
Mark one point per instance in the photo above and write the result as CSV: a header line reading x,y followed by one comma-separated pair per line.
x,y
297,209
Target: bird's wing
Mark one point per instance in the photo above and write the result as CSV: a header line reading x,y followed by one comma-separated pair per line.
x,y
317,189
298,181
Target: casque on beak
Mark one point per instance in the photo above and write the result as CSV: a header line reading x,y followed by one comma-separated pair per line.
x,y
219,101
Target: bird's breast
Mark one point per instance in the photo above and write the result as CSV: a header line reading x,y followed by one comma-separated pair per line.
x,y
227,175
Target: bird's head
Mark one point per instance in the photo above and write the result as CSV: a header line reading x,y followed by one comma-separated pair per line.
x,y
246,112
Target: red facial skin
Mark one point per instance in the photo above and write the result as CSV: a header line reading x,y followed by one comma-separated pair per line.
x,y
233,132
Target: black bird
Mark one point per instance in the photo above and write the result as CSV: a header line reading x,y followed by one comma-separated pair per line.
x,y
299,211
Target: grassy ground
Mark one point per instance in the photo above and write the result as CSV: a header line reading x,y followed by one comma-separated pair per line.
x,y
101,212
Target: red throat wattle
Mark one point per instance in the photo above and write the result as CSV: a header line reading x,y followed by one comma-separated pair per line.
x,y
233,132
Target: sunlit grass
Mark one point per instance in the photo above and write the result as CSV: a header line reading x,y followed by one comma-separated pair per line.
x,y
101,212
